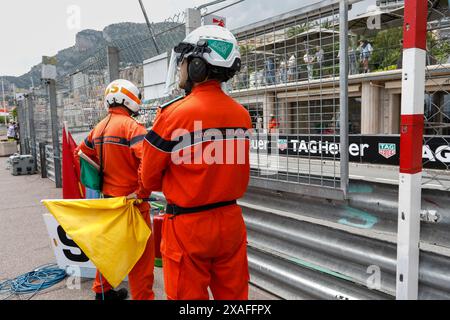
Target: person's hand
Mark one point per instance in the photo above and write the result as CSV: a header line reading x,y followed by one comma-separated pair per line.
x,y
132,196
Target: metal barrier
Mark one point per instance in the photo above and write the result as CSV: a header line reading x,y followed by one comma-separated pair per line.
x,y
318,249
50,162
321,249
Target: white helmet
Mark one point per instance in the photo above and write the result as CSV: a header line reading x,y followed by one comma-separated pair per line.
x,y
122,93
216,45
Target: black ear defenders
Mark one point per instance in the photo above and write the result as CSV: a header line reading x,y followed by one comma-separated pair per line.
x,y
198,69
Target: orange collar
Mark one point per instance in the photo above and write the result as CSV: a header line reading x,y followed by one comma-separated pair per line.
x,y
207,85
119,110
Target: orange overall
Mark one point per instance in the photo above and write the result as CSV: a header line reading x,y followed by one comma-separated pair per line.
x,y
197,153
122,138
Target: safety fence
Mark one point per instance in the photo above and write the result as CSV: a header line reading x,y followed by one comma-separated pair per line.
x,y
290,83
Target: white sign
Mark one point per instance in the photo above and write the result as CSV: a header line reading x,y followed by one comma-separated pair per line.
x,y
67,253
49,68
48,72
155,73
215,20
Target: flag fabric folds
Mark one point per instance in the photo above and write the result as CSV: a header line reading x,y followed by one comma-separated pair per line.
x,y
90,173
72,188
111,232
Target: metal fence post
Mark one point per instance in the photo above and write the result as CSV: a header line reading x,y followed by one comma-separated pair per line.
x,y
113,63
343,87
33,146
22,126
411,145
55,131
193,20
43,160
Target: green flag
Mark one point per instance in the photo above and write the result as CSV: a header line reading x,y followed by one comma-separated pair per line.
x,y
90,172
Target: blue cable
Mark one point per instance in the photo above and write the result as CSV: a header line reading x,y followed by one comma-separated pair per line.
x,y
32,282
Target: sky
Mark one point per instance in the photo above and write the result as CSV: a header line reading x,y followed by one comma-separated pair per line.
x,y
30,29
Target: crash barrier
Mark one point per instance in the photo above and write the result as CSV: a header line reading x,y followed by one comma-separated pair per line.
x,y
49,162
309,248
22,165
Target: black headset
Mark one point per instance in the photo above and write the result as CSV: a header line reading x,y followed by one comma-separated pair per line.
x,y
198,68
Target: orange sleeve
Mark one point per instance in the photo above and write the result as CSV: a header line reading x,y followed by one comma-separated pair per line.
x,y
156,155
136,144
88,148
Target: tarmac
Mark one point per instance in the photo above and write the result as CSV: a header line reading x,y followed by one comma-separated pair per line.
x,y
25,244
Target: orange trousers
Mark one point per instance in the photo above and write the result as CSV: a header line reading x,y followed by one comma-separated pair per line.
x,y
140,278
207,249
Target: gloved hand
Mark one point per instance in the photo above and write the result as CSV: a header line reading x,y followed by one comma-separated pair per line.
x,y
132,196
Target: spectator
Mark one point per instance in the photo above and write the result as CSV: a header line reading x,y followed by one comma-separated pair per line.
x,y
292,68
17,131
273,124
11,133
283,72
319,59
309,60
365,53
270,71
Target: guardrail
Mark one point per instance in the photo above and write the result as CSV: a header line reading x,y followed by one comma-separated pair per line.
x,y
301,247
309,248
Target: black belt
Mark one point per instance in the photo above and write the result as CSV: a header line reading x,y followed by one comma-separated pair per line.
x,y
176,210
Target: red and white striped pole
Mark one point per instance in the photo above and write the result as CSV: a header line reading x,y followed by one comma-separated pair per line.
x,y
411,143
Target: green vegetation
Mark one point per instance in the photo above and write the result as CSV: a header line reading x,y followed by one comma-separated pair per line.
x,y
387,49
438,49
2,120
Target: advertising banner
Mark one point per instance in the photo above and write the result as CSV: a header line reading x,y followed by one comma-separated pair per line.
x,y
376,149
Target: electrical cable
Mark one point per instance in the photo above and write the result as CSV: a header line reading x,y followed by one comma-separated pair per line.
x,y
41,278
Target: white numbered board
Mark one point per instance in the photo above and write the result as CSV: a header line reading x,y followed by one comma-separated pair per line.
x,y
67,253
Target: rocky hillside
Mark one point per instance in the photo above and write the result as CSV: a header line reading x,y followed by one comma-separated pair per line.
x,y
90,46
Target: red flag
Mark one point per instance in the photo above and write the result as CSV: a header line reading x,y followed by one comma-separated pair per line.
x,y
72,187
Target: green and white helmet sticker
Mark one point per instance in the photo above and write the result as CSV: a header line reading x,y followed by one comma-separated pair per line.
x,y
222,48
224,51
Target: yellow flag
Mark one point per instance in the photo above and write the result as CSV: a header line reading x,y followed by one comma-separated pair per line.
x,y
111,232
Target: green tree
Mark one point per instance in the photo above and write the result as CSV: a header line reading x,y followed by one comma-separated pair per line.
x,y
387,48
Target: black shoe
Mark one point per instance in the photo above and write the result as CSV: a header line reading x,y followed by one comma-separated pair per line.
x,y
120,294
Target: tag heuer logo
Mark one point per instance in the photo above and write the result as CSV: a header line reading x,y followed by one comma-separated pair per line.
x,y
282,144
387,150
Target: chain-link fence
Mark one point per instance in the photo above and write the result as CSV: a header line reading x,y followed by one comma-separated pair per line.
x,y
289,82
